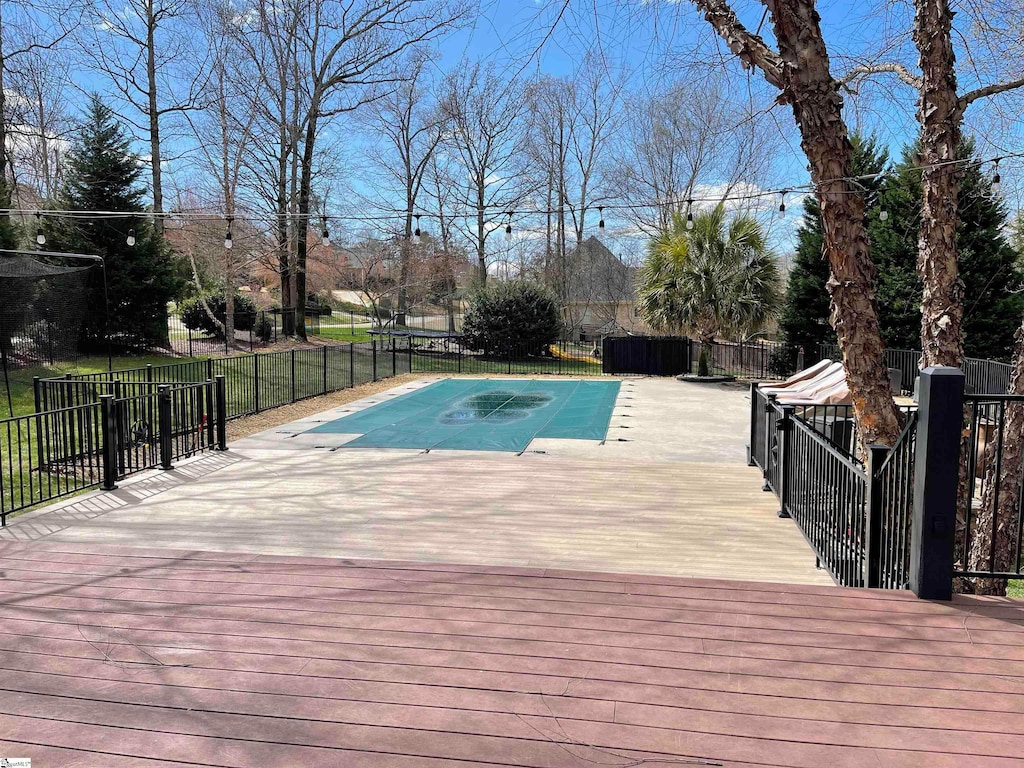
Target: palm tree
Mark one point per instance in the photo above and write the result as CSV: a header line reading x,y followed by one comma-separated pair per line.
x,y
718,278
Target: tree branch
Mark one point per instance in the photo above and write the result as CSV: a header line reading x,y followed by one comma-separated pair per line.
x,y
750,48
990,90
890,67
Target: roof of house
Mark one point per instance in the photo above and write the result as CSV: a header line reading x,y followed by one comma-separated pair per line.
x,y
598,274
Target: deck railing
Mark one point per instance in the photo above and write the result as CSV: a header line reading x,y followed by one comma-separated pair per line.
x,y
130,428
854,514
991,507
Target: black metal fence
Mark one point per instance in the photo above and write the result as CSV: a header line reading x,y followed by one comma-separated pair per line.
x,y
991,507
123,429
252,331
758,359
854,514
982,376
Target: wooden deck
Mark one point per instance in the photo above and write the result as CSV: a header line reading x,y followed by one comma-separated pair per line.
x,y
116,656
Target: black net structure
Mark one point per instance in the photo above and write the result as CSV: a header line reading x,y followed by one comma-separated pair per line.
x,y
42,304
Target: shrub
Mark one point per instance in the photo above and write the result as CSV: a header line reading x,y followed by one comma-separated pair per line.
x,y
264,328
782,362
703,369
513,317
194,316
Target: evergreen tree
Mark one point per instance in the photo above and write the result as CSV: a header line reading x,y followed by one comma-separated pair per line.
x,y
805,316
102,174
987,262
989,266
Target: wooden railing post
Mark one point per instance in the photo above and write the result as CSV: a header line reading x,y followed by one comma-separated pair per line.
x,y
785,429
873,517
936,477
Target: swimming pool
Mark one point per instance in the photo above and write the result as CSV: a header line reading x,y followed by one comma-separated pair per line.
x,y
483,415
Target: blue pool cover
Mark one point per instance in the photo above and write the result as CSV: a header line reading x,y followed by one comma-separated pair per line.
x,y
483,415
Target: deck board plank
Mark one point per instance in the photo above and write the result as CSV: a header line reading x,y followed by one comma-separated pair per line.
x,y
116,656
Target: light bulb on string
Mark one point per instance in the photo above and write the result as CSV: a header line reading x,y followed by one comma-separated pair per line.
x,y
40,235
782,203
600,211
325,235
996,179
508,227
131,237
417,235
883,215
227,235
689,214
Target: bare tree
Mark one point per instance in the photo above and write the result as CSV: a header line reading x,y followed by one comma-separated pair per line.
x,y
348,52
149,51
483,112
27,29
227,117
410,127
692,139
800,70
40,121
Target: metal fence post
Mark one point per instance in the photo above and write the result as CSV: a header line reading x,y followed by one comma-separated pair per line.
x,y
936,477
753,424
294,391
394,355
256,382
785,428
410,354
149,372
373,345
222,412
209,367
324,351
769,406
873,519
351,364
109,437
163,403
211,411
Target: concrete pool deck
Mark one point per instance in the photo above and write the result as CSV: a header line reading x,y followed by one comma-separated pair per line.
x,y
668,493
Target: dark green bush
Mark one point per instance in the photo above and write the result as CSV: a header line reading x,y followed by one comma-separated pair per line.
x,y
511,318
194,316
264,327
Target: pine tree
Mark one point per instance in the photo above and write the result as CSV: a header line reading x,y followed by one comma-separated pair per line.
x,y
102,174
805,317
988,264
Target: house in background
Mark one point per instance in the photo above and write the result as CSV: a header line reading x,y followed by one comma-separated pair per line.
x,y
600,292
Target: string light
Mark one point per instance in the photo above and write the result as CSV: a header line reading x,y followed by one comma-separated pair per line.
x,y
417,235
325,236
131,237
40,235
689,214
508,227
883,215
996,178
600,211
227,235
782,204
386,216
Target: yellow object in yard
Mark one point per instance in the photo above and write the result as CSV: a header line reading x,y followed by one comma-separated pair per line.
x,y
557,351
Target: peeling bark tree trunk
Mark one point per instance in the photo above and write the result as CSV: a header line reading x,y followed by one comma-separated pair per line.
x,y
994,528
800,70
940,116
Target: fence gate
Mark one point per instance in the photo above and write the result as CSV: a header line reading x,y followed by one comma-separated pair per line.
x,y
653,356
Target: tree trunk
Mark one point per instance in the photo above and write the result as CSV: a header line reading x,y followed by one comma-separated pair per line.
x,y
801,71
481,235
940,116
154,124
305,193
